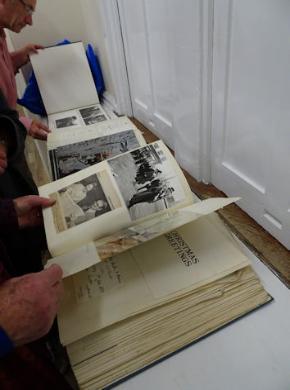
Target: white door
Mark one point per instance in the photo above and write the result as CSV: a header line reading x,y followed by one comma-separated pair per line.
x,y
167,49
251,109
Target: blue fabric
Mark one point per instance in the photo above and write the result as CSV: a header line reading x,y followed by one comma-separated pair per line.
x,y
96,70
6,345
31,98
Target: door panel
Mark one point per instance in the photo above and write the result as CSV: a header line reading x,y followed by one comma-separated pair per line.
x,y
251,109
167,45
145,26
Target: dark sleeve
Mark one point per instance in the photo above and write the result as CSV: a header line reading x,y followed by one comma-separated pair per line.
x,y
8,216
12,131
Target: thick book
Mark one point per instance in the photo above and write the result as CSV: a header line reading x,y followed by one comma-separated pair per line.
x,y
147,275
67,87
138,307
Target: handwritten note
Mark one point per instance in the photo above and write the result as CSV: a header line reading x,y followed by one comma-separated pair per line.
x,y
97,280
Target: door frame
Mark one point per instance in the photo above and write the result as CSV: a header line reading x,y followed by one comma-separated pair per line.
x,y
116,56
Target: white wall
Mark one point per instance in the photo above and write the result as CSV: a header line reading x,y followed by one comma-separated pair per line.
x,y
75,20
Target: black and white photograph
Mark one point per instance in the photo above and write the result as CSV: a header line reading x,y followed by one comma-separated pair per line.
x,y
67,122
83,201
68,159
92,115
146,180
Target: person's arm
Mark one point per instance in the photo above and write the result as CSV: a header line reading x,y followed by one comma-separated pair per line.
x,y
21,57
28,306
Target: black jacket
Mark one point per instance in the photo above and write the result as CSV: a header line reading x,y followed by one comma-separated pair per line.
x,y
17,179
23,246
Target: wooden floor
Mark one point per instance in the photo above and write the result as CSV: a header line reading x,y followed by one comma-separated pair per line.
x,y
265,247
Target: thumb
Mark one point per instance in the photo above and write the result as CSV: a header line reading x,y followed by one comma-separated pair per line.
x,y
52,274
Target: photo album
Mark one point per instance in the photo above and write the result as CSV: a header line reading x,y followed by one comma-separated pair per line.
x,y
148,267
67,87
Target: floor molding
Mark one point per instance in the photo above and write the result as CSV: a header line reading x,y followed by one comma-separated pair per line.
x,y
273,254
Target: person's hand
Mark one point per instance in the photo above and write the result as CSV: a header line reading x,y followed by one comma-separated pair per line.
x,y
31,48
28,304
28,209
38,130
3,158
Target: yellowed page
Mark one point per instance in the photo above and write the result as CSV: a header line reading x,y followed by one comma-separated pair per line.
x,y
77,260
112,195
129,238
147,276
156,226
71,135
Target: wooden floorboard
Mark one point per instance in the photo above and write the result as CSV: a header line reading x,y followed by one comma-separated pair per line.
x,y
273,254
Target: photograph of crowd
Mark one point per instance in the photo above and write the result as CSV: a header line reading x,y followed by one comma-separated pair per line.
x,y
72,158
146,181
92,115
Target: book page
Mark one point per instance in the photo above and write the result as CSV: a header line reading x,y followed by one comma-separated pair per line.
x,y
109,196
78,149
135,235
72,135
78,118
151,274
64,78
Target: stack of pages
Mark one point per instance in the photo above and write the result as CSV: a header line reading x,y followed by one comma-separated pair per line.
x,y
148,269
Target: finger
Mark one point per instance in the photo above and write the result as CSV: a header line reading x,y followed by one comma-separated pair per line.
x,y
35,201
40,201
41,134
52,275
44,127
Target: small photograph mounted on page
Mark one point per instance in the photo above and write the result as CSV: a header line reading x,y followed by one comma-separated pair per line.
x,y
81,202
67,121
93,114
147,181
74,157
82,117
